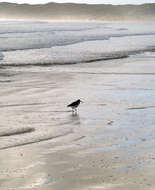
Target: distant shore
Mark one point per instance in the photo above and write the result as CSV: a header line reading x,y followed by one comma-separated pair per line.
x,y
80,12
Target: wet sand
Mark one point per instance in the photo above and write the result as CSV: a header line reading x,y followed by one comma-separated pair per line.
x,y
109,144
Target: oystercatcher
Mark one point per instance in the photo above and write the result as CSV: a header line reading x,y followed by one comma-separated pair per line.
x,y
74,105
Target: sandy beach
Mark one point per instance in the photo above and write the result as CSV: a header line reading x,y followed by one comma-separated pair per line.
x,y
108,144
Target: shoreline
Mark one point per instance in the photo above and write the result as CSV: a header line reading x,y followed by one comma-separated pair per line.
x,y
111,144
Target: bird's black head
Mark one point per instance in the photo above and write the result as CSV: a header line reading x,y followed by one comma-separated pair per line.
x,y
80,101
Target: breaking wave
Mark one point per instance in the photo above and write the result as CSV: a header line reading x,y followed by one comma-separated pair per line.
x,y
45,43
71,58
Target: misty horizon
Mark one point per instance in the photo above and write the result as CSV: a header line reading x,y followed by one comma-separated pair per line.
x,y
72,2
112,2
82,12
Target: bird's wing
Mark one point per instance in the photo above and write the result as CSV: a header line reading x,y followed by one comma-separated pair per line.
x,y
72,104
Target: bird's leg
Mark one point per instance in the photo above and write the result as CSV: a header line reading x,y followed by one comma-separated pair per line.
x,y
73,111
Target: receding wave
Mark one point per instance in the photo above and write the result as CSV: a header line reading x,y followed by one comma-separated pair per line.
x,y
116,73
75,60
37,43
68,62
40,41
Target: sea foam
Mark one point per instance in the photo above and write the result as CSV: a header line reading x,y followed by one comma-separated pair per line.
x,y
41,43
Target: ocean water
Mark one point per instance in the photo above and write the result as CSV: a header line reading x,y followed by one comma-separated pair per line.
x,y
36,43
33,102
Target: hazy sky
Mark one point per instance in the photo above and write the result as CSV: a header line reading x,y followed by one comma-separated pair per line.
x,y
83,1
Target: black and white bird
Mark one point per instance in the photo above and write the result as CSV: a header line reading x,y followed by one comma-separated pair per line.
x,y
74,105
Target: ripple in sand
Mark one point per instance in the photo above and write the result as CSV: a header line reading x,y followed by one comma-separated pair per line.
x,y
15,131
